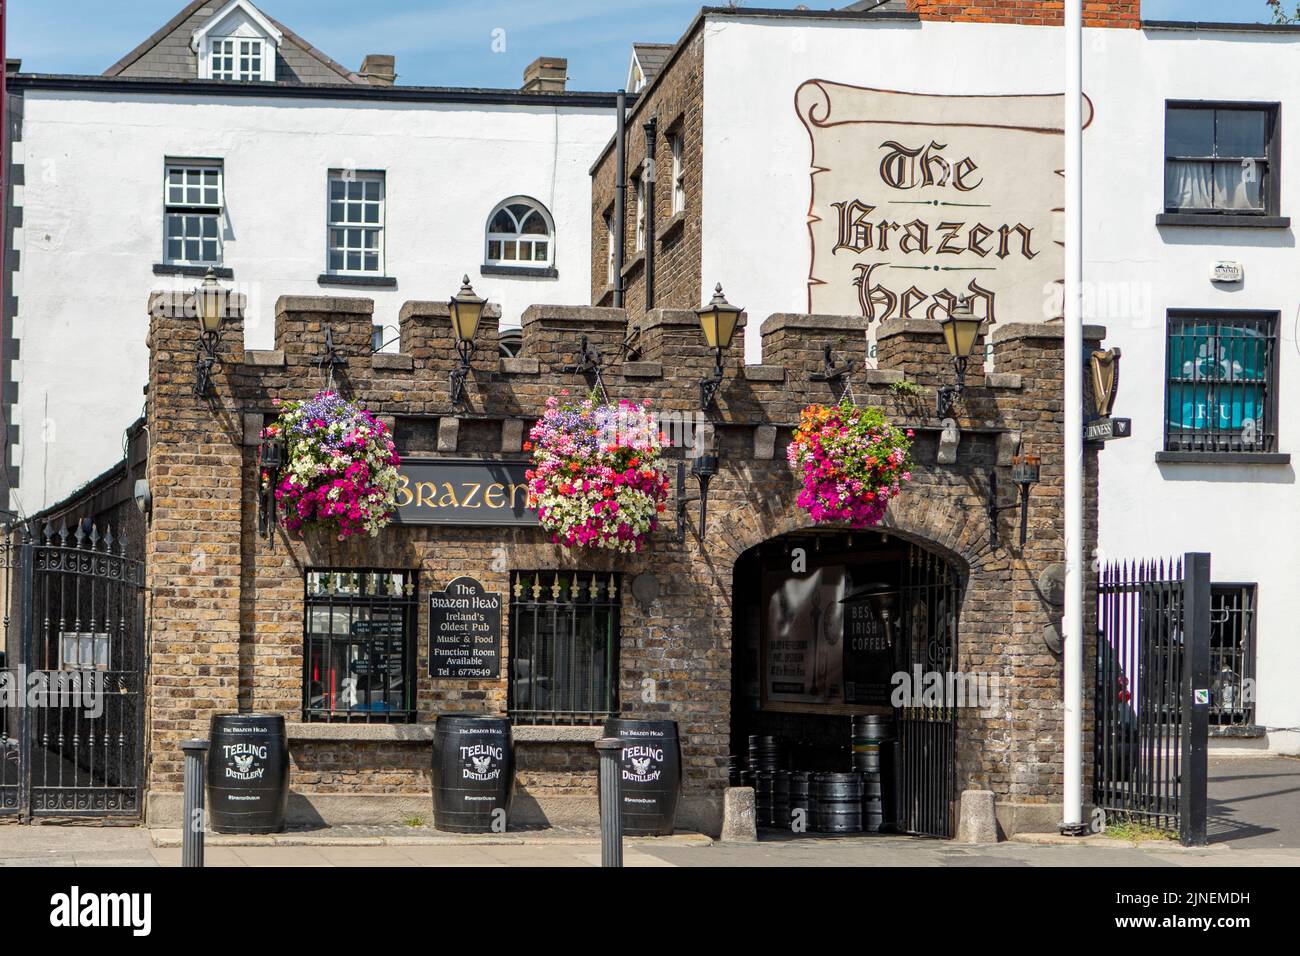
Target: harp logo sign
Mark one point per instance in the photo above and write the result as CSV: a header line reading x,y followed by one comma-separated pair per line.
x,y
74,909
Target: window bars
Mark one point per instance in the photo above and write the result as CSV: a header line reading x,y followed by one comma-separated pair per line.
x,y
564,638
359,645
1232,655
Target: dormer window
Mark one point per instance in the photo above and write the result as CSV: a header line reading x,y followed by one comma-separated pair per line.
x,y
237,43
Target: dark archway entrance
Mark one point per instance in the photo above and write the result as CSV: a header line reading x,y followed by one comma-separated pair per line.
x,y
832,627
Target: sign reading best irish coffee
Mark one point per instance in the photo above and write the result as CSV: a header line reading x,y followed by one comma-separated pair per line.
x,y
918,200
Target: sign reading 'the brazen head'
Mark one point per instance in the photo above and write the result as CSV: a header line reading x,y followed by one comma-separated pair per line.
x,y
918,200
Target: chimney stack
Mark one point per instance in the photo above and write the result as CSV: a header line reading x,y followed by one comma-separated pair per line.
x,y
379,69
546,74
1107,13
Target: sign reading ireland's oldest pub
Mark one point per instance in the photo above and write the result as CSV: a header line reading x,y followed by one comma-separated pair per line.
x,y
465,632
463,491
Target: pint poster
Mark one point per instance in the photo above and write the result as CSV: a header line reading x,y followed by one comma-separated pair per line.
x,y
804,638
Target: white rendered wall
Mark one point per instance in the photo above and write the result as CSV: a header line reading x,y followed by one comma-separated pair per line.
x,y
93,230
755,242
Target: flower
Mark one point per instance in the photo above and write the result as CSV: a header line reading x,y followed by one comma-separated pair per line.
x,y
341,466
597,480
851,461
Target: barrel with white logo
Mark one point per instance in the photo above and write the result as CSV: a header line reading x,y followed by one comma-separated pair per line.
x,y
248,773
650,771
473,773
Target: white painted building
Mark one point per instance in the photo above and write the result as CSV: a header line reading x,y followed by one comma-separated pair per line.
x,y
1214,473
227,140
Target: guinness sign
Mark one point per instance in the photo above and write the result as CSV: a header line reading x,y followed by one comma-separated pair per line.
x,y
460,491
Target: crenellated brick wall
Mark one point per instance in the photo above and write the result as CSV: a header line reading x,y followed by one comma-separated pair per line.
x,y
227,605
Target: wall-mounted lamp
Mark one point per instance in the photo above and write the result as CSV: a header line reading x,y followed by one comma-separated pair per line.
x,y
718,321
270,459
466,309
960,329
1025,470
703,468
210,311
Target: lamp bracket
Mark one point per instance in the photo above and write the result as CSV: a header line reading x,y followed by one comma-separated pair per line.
x,y
702,478
995,507
832,373
591,364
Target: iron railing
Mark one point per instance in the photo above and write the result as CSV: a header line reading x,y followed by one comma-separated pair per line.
x,y
359,645
1232,655
564,637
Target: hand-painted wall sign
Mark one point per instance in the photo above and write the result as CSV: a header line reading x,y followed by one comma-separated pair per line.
x,y
463,492
465,632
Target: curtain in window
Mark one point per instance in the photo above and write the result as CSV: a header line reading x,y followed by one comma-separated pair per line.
x,y
1202,185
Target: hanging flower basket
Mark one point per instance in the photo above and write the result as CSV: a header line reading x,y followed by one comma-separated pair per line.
x,y
340,467
852,463
597,479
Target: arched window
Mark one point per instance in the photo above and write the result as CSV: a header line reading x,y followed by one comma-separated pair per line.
x,y
520,233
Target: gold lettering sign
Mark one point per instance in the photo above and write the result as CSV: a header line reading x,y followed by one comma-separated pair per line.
x,y
459,491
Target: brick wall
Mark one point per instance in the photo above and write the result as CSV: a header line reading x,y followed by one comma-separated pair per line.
x,y
1096,13
227,629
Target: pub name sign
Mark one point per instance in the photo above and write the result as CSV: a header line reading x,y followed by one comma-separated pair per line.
x,y
461,491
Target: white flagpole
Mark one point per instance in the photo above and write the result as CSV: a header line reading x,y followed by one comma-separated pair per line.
x,y
1072,630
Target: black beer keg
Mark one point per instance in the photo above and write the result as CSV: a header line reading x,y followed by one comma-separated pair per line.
x,y
764,784
650,771
473,773
870,733
801,802
781,799
765,753
839,802
248,773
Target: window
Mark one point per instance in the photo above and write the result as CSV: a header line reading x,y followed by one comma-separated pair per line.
x,y
510,343
1220,159
520,233
1232,654
679,174
237,58
359,645
564,635
356,222
611,266
192,198
1221,375
640,213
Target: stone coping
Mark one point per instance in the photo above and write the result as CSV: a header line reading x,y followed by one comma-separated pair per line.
x,y
423,733
778,321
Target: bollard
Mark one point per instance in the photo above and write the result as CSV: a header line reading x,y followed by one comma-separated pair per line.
x,y
196,755
611,802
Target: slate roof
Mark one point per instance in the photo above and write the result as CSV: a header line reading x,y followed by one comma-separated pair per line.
x,y
651,56
167,54
877,6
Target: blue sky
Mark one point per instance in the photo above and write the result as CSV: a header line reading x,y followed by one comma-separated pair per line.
x,y
437,42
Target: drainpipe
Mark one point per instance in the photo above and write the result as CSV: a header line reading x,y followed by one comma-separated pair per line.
x,y
1072,624
620,195
651,134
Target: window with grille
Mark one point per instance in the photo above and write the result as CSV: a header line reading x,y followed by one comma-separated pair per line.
x,y
356,222
1220,158
1232,654
192,200
237,58
564,638
1221,387
359,645
520,233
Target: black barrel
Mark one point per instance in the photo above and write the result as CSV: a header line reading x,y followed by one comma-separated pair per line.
x,y
248,773
650,773
839,802
734,770
473,773
764,784
801,799
873,805
870,733
781,799
765,753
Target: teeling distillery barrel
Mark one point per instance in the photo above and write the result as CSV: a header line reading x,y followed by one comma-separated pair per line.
x,y
248,773
839,802
801,798
473,772
869,734
650,773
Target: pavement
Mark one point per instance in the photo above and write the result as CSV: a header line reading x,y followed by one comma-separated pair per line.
x,y
1254,821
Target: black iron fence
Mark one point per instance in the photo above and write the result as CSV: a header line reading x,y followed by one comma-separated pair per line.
x,y
1232,655
1152,702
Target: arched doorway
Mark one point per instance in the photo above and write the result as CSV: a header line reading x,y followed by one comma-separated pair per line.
x,y
829,626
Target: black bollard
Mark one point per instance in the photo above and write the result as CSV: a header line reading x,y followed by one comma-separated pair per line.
x,y
611,801
196,753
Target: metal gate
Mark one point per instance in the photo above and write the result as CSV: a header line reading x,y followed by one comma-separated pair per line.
x,y
1152,694
72,715
926,755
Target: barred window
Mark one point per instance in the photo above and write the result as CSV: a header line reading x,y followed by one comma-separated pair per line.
x,y
359,645
192,199
1232,654
1221,389
564,637
356,222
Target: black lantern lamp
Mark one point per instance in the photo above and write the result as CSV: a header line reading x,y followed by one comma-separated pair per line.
x,y
718,321
703,468
210,311
466,310
270,459
960,330
1025,472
